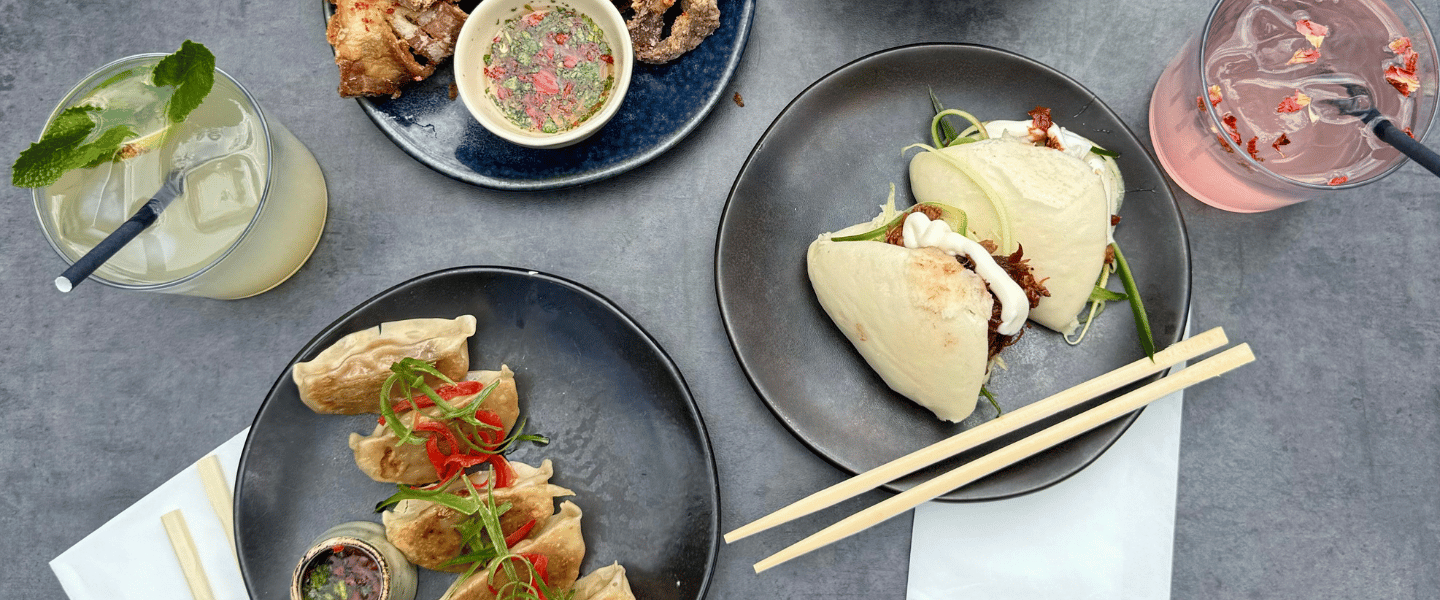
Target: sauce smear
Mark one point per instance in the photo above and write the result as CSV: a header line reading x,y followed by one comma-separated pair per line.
x,y
549,70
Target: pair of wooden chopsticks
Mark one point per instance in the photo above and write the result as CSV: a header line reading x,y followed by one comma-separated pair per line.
x,y
218,491
1177,353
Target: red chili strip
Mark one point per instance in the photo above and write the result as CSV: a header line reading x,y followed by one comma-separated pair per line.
x,y
519,534
504,473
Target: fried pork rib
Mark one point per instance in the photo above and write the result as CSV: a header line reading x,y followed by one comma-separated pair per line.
x,y
381,45
697,20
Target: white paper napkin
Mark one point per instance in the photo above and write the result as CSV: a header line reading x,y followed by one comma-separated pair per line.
x,y
1106,533
130,557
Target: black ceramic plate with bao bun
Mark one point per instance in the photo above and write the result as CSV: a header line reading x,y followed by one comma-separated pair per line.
x,y
625,434
827,162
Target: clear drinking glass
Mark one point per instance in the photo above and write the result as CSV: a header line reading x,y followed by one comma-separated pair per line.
x,y
247,220
1244,117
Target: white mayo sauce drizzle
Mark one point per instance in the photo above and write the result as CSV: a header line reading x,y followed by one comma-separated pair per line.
x,y
920,232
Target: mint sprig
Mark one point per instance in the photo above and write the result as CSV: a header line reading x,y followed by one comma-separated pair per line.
x,y
70,142
63,147
191,71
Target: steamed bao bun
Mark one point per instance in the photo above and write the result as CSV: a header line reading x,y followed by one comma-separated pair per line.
x,y
1059,206
917,317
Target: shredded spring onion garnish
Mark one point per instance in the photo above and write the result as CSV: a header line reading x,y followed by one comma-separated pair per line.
x,y
975,126
954,217
991,397
1100,296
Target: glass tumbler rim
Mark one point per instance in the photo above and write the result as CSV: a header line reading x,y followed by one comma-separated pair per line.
x,y
1423,122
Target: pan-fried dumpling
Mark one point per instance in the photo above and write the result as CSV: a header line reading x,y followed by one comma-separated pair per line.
x,y
605,583
559,541
345,379
381,458
425,531
1059,209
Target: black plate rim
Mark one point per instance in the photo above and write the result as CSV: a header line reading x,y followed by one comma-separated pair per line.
x,y
1124,422
367,105
671,368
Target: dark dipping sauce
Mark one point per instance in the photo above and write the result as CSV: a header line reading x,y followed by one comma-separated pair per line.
x,y
342,573
549,70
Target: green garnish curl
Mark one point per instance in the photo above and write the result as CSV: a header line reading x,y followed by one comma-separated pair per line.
x,y
1142,322
952,216
951,140
70,142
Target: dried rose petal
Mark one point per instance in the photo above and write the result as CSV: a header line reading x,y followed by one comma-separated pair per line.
x,y
1215,96
1254,152
1307,56
1312,31
1224,144
1231,123
1400,45
1200,103
1283,140
1404,81
1409,133
1293,103
1338,180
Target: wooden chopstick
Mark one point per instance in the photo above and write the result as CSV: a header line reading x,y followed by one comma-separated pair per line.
x,y
217,489
985,465
184,545
869,480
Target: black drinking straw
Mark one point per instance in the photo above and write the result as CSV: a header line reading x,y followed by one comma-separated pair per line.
x,y
1361,104
117,239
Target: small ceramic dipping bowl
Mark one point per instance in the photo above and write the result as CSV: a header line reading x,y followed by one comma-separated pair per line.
x,y
522,66
355,555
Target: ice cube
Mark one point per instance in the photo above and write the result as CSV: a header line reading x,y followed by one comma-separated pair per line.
x,y
222,194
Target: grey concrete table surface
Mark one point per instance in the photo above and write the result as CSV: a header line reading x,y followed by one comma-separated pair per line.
x,y
1311,474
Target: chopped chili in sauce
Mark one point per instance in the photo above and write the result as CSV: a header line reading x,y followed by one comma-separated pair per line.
x,y
549,70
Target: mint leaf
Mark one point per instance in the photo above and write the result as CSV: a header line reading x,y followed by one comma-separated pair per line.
x,y
191,69
73,124
63,147
57,152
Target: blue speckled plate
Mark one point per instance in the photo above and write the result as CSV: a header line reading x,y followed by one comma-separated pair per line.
x,y
663,105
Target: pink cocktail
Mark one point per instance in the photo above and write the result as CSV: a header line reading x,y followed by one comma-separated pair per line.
x,y
1245,117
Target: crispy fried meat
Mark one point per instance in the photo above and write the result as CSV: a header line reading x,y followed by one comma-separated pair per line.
x,y
381,45
1019,269
697,20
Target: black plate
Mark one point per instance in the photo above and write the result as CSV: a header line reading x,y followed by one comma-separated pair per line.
x,y
827,162
663,105
626,434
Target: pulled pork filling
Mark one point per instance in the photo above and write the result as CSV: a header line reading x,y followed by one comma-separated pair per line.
x,y
1015,265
